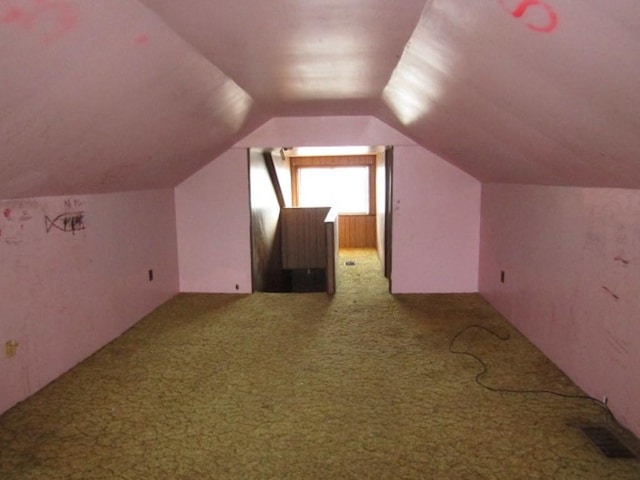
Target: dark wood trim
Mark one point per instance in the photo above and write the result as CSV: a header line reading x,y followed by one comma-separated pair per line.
x,y
332,230
388,222
372,189
268,160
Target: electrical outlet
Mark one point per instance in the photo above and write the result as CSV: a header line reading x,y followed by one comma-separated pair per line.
x,y
502,276
10,348
151,275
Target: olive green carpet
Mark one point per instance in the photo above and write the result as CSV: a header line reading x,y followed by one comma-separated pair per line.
x,y
361,385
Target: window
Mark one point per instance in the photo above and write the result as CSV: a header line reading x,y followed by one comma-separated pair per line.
x,y
345,188
346,183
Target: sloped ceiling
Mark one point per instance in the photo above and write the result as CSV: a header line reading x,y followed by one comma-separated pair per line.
x,y
111,95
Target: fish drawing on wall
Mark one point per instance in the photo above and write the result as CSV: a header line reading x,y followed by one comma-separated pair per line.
x,y
66,222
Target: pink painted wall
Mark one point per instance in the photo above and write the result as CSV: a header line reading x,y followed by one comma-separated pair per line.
x,y
213,226
436,225
323,131
65,294
436,229
570,257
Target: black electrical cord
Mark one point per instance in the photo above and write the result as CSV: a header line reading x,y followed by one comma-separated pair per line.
x,y
485,370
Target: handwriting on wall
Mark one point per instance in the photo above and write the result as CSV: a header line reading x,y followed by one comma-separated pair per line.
x,y
49,20
69,222
15,216
72,203
537,15
18,228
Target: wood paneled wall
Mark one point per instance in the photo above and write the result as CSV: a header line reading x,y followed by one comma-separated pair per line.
x,y
266,256
357,231
304,240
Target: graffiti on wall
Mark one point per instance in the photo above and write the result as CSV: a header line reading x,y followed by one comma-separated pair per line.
x,y
17,225
14,220
69,222
537,15
72,203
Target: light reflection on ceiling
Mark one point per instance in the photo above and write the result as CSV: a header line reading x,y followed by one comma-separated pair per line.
x,y
114,95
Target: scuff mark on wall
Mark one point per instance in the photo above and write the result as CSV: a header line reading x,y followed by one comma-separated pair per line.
x,y
611,293
619,345
618,350
622,260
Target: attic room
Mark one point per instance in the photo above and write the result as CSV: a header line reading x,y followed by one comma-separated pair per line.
x,y
125,132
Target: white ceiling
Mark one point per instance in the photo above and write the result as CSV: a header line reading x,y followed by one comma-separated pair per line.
x,y
110,95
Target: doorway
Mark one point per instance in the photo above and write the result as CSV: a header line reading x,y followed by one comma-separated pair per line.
x,y
311,177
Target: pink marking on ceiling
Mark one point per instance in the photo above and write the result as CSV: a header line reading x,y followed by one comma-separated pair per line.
x,y
546,25
13,14
50,19
142,39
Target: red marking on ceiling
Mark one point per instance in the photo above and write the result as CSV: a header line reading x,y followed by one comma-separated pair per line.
x,y
549,18
7,212
142,39
13,14
49,19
